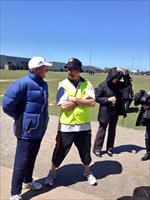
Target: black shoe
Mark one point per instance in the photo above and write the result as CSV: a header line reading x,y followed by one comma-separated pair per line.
x,y
110,153
146,157
98,153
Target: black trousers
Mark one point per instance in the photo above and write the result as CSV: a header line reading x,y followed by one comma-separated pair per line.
x,y
26,152
147,134
100,136
64,141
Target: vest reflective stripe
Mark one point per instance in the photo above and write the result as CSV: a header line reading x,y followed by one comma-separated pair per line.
x,y
79,114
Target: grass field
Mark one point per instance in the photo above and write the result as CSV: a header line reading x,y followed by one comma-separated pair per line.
x,y
139,82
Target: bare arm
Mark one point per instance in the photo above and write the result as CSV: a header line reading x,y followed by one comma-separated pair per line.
x,y
88,101
73,101
67,105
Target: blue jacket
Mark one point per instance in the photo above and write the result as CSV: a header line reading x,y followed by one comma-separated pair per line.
x,y
26,100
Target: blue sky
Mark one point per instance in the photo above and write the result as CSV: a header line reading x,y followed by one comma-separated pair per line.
x,y
114,33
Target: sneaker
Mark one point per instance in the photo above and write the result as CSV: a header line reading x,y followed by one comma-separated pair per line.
x,y
90,178
50,179
16,197
32,186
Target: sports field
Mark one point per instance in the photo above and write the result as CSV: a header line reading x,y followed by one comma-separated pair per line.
x,y
139,82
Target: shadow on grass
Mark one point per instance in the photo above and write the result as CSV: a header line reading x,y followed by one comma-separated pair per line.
x,y
73,173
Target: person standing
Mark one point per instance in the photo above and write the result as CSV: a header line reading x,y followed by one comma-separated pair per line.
x,y
74,97
143,118
26,101
146,122
109,96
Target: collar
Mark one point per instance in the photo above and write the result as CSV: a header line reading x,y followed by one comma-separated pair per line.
x,y
34,77
76,82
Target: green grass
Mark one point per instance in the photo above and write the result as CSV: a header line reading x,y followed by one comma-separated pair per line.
x,y
139,82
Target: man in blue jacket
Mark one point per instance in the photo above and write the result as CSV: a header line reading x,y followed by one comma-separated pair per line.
x,y
26,101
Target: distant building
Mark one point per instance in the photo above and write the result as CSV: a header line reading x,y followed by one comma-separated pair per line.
x,y
16,63
133,71
57,66
13,63
20,63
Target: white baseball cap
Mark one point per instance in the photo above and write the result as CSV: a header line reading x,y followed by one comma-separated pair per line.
x,y
38,61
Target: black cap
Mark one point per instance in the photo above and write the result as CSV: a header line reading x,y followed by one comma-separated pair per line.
x,y
75,64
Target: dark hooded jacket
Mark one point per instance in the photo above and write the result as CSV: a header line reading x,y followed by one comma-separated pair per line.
x,y
143,98
108,89
143,118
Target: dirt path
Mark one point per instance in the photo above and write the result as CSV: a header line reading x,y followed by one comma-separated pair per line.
x,y
117,176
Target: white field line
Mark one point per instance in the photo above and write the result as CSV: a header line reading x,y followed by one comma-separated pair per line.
x,y
51,104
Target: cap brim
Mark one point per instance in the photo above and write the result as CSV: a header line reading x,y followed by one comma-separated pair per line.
x,y
73,67
48,64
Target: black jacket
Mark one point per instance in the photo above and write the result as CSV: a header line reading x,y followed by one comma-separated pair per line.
x,y
143,118
128,91
107,89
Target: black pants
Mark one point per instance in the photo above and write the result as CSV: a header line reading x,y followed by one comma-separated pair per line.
x,y
147,134
26,152
99,140
64,141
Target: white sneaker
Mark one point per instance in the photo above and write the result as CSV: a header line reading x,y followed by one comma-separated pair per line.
x,y
50,179
90,178
16,197
32,186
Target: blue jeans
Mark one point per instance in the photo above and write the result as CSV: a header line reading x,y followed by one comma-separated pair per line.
x,y
26,152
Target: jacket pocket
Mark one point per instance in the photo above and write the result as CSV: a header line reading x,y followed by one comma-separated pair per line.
x,y
30,122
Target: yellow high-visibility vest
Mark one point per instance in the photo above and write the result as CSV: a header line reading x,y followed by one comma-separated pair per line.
x,y
80,114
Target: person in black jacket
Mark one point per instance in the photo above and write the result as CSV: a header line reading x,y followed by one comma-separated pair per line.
x,y
109,96
143,118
